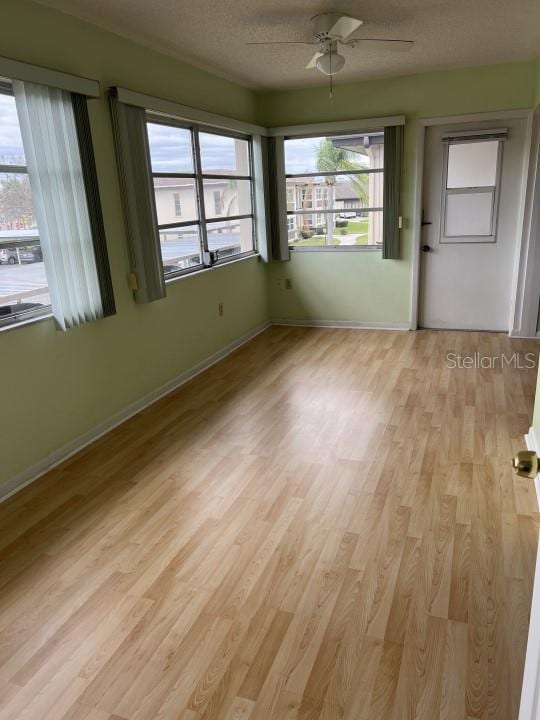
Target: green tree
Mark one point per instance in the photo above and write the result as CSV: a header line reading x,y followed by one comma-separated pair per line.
x,y
16,199
331,158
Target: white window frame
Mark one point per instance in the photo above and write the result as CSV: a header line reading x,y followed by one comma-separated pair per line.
x,y
209,258
333,132
493,189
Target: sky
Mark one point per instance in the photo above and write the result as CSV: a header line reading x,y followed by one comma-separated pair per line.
x,y
11,149
170,151
170,147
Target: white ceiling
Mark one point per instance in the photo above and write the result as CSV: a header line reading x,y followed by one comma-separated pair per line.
x,y
213,34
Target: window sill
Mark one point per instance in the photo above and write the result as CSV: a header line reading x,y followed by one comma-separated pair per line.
x,y
337,248
28,321
215,266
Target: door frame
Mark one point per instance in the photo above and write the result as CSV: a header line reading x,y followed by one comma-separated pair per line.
x,y
525,253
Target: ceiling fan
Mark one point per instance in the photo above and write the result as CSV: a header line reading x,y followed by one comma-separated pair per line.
x,y
331,30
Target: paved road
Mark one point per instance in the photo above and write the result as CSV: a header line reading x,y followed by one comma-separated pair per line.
x,y
15,279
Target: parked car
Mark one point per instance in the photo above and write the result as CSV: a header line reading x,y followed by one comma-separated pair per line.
x,y
12,256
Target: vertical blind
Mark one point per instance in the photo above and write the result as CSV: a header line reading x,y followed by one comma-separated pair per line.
x,y
133,155
51,145
393,152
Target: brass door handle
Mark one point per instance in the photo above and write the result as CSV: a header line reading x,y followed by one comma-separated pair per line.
x,y
526,464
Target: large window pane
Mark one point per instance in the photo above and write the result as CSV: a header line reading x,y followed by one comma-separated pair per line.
x,y
170,148
180,248
11,147
222,155
328,154
227,197
230,237
176,200
472,164
319,229
23,283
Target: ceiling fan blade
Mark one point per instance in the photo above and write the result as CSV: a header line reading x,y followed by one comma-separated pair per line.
x,y
282,42
344,27
393,45
313,62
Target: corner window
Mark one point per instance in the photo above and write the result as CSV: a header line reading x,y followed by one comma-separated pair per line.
x,y
206,177
341,178
471,178
24,290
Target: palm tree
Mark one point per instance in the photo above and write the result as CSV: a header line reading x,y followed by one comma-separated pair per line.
x,y
330,159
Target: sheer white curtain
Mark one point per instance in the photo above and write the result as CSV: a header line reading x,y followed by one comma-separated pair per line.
x,y
54,166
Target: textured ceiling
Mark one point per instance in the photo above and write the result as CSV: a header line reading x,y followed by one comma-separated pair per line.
x,y
213,34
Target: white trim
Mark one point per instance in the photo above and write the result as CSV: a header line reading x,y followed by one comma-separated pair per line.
x,y
421,126
524,316
340,126
17,70
530,692
58,456
347,324
185,112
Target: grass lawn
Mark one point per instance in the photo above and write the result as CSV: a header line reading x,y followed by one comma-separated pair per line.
x,y
353,226
357,226
315,241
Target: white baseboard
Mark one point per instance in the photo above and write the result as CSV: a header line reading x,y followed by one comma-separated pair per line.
x,y
348,324
58,456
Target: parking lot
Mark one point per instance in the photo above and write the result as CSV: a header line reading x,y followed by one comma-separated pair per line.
x,y
26,282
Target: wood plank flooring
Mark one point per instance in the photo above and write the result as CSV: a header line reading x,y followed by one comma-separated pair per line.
x,y
324,525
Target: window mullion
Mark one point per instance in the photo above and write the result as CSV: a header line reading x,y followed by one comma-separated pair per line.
x,y
200,194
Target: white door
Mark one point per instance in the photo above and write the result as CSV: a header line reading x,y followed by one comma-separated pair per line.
x,y
471,199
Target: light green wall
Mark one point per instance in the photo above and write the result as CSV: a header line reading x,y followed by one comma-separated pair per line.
x,y
361,287
55,386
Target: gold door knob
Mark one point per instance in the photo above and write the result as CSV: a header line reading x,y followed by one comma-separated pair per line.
x,y
526,464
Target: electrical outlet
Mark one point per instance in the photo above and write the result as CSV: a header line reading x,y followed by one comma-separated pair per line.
x,y
288,284
220,309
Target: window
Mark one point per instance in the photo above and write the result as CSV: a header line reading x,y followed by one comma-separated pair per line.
x,y
211,174
471,176
52,245
341,177
24,290
177,205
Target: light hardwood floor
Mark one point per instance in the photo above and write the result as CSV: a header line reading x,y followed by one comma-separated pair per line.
x,y
324,525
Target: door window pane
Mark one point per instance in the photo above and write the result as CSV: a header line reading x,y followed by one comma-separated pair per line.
x,y
469,214
230,237
222,155
11,147
23,283
171,148
227,197
180,248
176,199
472,164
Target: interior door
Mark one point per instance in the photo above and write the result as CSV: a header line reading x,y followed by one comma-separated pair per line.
x,y
471,197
